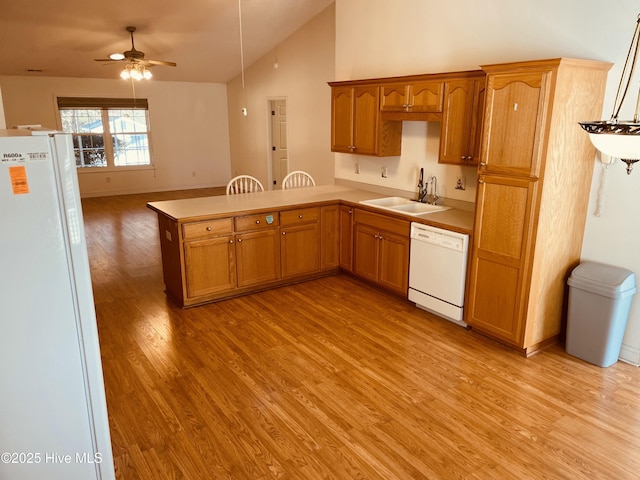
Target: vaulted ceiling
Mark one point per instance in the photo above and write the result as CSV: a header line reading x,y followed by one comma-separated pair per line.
x,y
62,38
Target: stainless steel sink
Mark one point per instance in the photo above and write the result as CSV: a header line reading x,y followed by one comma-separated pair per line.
x,y
404,205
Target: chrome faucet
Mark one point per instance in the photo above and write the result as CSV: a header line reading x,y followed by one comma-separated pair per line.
x,y
423,187
432,187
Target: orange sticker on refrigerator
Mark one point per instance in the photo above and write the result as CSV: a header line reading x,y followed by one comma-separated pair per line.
x,y
18,176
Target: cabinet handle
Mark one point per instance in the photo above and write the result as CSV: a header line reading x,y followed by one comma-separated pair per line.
x,y
208,229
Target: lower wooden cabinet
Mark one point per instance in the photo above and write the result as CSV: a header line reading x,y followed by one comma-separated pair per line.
x,y
329,236
210,266
381,250
257,257
219,258
504,226
300,241
346,238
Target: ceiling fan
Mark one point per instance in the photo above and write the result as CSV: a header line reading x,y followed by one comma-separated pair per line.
x,y
135,63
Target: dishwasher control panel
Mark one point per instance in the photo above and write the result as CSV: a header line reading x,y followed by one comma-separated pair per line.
x,y
439,237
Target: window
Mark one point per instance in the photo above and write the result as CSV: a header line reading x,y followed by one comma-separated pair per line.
x,y
107,132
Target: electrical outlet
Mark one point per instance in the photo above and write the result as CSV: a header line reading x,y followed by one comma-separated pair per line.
x,y
384,172
356,167
461,183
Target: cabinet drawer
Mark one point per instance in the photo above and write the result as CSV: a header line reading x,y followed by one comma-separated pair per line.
x,y
256,222
298,216
381,222
207,228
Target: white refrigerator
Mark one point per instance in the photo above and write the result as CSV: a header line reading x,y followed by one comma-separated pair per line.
x,y
53,413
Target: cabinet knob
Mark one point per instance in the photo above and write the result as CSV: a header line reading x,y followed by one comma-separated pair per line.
x,y
483,164
350,212
284,233
257,221
230,241
208,229
463,158
239,240
300,216
480,180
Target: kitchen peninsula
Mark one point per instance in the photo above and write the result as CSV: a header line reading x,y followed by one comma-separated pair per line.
x,y
224,246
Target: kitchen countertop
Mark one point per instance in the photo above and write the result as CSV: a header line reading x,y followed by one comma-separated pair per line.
x,y
193,209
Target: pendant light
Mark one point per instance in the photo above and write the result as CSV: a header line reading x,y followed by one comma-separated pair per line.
x,y
614,137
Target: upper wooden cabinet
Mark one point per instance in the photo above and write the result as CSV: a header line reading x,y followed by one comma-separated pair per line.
x,y
413,97
367,115
461,134
534,181
356,126
517,109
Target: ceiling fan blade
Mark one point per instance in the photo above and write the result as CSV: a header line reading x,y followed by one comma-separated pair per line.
x,y
106,60
160,62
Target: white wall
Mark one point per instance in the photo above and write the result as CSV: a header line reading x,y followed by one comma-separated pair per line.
x,y
429,36
188,121
305,65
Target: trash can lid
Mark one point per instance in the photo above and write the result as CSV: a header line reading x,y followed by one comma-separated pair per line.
x,y
603,279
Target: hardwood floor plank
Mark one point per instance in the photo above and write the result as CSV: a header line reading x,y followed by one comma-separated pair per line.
x,y
332,379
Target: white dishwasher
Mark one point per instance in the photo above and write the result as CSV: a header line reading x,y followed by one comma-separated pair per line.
x,y
437,271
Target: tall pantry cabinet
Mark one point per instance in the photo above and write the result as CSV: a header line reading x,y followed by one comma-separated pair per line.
x,y
534,179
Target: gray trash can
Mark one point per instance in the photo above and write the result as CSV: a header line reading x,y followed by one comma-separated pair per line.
x,y
599,301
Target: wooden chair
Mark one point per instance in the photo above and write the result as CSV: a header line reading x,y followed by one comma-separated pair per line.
x,y
244,184
297,179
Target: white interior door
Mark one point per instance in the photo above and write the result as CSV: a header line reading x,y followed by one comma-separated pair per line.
x,y
279,158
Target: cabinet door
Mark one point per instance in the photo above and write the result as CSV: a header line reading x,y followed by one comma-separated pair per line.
x,y
426,96
502,247
329,237
394,262
455,138
342,119
258,257
516,110
365,245
393,97
209,266
365,119
477,118
346,238
300,249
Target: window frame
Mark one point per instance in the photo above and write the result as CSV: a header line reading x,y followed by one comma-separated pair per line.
x,y
105,105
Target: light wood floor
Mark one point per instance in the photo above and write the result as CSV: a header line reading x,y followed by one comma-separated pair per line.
x,y
333,379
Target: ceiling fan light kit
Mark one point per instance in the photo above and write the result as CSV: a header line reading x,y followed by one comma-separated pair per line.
x,y
135,71
135,66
